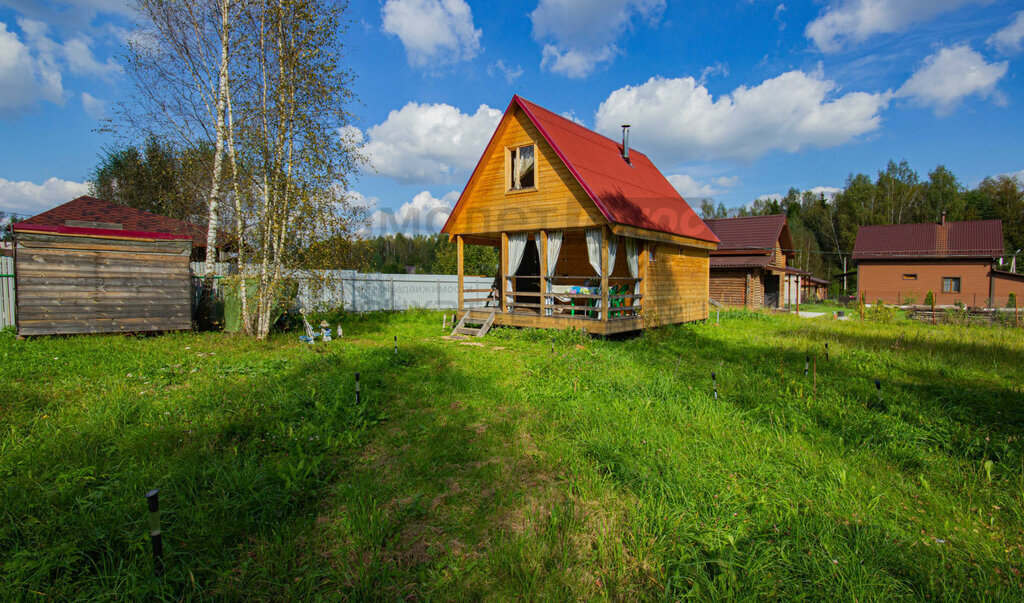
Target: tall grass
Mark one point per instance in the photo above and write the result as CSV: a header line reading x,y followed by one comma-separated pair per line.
x,y
538,464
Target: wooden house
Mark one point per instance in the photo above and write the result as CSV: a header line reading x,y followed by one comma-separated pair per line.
x,y
100,280
901,263
749,268
591,234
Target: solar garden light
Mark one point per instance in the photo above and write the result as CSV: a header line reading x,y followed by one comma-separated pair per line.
x,y
153,499
807,365
714,383
357,388
396,346
826,350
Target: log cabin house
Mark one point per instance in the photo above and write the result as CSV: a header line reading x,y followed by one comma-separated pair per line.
x,y
591,234
956,261
749,268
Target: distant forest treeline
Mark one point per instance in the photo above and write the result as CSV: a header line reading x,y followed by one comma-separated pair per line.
x,y
160,178
825,229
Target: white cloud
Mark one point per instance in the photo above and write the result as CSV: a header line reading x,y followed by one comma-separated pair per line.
x,y
93,107
434,32
579,35
511,74
829,191
1009,39
845,22
690,188
429,143
25,77
78,54
949,76
29,198
678,119
425,214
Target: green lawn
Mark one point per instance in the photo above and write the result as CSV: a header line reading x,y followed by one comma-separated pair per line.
x,y
604,469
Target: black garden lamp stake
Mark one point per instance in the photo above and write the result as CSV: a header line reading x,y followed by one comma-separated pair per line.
x,y
153,499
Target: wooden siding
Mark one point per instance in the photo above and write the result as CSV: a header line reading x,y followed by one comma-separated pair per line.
x,y
557,202
1006,285
72,284
884,281
676,285
730,288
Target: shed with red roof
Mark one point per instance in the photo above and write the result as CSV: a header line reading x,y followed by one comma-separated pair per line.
x,y
82,279
955,261
587,221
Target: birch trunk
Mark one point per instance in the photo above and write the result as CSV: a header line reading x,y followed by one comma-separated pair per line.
x,y
218,163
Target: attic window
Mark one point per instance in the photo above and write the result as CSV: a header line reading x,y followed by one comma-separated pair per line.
x,y
910,277
522,170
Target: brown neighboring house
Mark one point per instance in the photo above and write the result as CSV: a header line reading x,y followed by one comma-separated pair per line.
x,y
90,212
748,269
901,263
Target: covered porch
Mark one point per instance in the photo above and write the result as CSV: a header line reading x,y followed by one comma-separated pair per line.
x,y
588,279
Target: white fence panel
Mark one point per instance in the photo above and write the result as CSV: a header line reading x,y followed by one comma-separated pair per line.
x,y
6,292
369,292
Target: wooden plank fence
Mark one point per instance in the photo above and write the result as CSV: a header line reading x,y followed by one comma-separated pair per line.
x,y
7,301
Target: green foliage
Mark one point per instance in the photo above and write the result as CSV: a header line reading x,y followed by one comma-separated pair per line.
x,y
880,312
1011,300
607,470
929,299
156,177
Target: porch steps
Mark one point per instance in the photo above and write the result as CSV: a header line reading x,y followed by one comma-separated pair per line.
x,y
482,320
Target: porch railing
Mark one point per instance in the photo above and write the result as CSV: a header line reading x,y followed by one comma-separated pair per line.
x,y
623,301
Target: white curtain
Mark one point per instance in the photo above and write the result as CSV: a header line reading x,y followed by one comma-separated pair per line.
x,y
633,261
594,249
554,246
516,249
613,249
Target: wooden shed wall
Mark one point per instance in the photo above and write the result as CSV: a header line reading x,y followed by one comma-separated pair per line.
x,y
737,288
75,284
677,285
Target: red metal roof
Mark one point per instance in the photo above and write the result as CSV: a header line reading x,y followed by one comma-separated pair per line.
x,y
972,239
633,193
91,209
99,232
753,233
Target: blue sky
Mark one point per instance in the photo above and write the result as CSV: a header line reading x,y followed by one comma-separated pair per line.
x,y
732,100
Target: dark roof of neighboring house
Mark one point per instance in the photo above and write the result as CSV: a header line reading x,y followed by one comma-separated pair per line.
x,y
633,193
817,281
972,239
739,261
99,232
753,233
92,210
1017,276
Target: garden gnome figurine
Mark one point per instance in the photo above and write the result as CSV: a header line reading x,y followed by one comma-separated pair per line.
x,y
326,330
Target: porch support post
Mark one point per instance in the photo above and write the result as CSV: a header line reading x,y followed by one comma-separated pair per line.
x,y
605,234
502,269
641,272
458,263
543,271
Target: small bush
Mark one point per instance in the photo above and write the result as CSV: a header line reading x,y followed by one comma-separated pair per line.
x,y
909,299
1011,301
880,312
929,299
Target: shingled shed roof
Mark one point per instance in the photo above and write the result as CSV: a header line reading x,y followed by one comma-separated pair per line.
x,y
83,210
633,193
753,234
981,239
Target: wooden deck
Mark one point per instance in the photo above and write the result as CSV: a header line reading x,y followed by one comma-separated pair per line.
x,y
593,326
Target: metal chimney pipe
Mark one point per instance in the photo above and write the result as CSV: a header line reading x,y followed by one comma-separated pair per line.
x,y
625,142
943,222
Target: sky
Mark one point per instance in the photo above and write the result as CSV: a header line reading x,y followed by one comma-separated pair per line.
x,y
733,100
